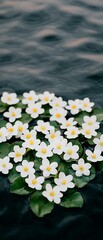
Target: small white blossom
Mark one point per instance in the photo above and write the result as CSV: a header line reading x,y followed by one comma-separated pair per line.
x,y
72,132
52,135
30,97
27,135
91,122
48,168
32,143
35,182
3,134
9,98
11,130
57,102
13,114
88,131
35,110
43,150
46,97
71,151
82,168
64,182
53,194
99,143
59,145
42,126
68,123
86,105
74,106
58,114
21,128
18,153
5,165
26,168
94,156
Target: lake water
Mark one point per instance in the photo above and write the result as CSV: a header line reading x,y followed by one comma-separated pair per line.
x,y
54,45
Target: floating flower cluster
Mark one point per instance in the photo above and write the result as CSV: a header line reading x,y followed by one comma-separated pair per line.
x,y
49,147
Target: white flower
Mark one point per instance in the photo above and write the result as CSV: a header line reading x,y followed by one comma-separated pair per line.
x,y
26,168
52,135
74,106
21,127
72,132
48,168
68,123
43,150
57,102
29,97
34,182
13,114
46,97
34,110
27,135
59,145
42,126
5,165
18,153
9,98
53,194
99,143
91,122
86,105
71,151
94,156
64,182
32,143
11,130
3,134
81,168
58,114
88,131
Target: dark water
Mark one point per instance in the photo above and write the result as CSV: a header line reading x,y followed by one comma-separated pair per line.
x,y
54,45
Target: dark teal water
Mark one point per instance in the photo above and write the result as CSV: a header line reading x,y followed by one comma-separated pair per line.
x,y
54,45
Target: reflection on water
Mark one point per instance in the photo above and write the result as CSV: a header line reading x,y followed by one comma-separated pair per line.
x,y
54,45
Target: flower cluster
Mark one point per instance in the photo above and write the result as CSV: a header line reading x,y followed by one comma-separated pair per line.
x,y
51,144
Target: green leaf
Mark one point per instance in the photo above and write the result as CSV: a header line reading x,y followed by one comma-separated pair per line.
x,y
72,200
90,141
54,124
4,149
25,118
13,175
40,205
19,187
76,142
64,167
2,123
101,166
82,181
3,107
98,113
55,158
20,105
80,117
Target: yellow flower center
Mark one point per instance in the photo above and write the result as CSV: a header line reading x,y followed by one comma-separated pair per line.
x,y
70,151
85,104
20,129
13,114
81,168
35,110
88,132
18,154
52,194
44,150
48,168
31,142
101,144
34,181
74,106
28,136
64,181
26,169
46,99
73,132
0,134
68,124
10,129
59,146
52,135
94,156
30,98
9,98
57,104
4,165
43,128
58,115
90,123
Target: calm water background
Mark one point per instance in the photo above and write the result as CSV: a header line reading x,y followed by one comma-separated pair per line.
x,y
54,45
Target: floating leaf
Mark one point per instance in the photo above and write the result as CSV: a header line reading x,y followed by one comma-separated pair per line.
x,y
19,187
4,149
80,117
25,118
13,175
98,113
40,205
3,107
2,123
71,200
